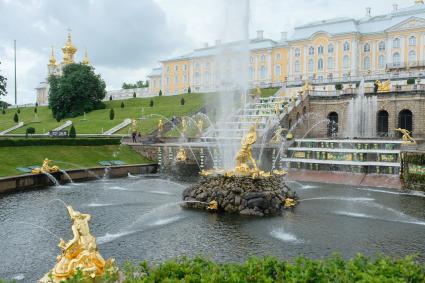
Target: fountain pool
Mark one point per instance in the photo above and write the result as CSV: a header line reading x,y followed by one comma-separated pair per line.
x,y
140,218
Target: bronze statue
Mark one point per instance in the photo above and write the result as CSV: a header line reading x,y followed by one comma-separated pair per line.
x,y
78,253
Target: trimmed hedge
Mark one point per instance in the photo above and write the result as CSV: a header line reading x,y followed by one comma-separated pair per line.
x,y
269,269
60,141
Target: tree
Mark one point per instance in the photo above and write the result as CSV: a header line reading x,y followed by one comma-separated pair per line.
x,y
36,104
29,131
3,111
111,114
338,86
134,94
78,90
411,81
182,101
189,90
160,93
16,118
3,85
151,103
122,104
35,110
110,98
72,132
19,111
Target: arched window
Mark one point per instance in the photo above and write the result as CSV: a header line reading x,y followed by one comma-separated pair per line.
x,y
207,78
381,46
207,65
366,48
263,72
176,68
197,66
278,57
396,59
382,123
320,65
197,78
366,63
330,48
412,41
346,62
346,46
381,61
176,80
251,73
412,56
311,50
332,124
396,43
251,59
311,65
330,63
405,120
320,50
297,52
278,71
297,66
263,58
168,69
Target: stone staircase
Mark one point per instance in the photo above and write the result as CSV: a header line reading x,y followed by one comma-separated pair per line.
x,y
118,127
262,112
61,127
17,126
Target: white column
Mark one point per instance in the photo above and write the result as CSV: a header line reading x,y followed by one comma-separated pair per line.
x,y
354,58
336,53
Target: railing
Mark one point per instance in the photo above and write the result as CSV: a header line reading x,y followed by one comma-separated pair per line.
x,y
405,65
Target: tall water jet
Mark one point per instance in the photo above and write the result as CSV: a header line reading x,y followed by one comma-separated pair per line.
x,y
361,115
231,72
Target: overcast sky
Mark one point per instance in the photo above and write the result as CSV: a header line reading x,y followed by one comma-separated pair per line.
x,y
125,39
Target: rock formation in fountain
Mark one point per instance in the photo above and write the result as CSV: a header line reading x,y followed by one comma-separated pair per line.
x,y
246,190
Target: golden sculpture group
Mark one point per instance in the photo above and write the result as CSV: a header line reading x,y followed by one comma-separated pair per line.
x,y
407,139
245,162
80,253
181,155
45,168
383,86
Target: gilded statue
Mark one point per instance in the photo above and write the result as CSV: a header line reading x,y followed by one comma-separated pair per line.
x,y
181,155
45,168
134,125
306,87
213,205
78,253
277,136
200,126
184,125
383,87
407,138
244,156
160,126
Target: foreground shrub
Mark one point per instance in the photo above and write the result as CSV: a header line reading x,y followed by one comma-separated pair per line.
x,y
72,132
269,269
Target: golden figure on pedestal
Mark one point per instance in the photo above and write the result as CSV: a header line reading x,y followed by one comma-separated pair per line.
x,y
383,87
45,168
80,253
184,126
200,126
134,125
213,205
181,155
277,136
244,155
407,139
160,126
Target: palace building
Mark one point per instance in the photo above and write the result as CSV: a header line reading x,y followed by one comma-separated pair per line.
x,y
324,52
55,68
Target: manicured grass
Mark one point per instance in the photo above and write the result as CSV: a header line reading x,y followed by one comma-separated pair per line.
x,y
98,121
84,156
266,92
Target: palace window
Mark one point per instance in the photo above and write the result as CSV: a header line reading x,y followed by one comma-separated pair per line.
x,y
168,69
197,66
366,47
320,65
176,68
207,65
311,50
381,46
381,61
297,52
366,63
412,56
311,65
176,80
251,59
412,41
330,48
346,46
263,58
185,79
207,78
278,57
396,43
320,50
297,66
197,78
185,67
251,73
168,81
346,62
396,59
330,63
278,71
263,72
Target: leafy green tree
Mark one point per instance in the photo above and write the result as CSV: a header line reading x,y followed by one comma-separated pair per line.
x,y
78,90
3,85
111,114
151,103
110,98
134,94
189,90
122,104
16,118
72,132
160,93
182,101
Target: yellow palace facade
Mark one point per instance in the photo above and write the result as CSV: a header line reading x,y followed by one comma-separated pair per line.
x,y
324,52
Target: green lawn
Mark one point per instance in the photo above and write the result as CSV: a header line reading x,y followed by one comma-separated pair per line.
x,y
84,156
98,121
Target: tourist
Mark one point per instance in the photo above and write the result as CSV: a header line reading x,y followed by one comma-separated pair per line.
x,y
139,136
133,135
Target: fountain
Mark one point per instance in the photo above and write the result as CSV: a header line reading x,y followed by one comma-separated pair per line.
x,y
80,254
244,190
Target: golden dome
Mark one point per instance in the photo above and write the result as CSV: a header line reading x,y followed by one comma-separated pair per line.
x,y
52,59
86,59
69,50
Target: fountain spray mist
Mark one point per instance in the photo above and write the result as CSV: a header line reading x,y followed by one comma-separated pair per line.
x,y
231,72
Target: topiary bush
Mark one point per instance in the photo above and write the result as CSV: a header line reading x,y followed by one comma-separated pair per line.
x,y
29,131
134,94
19,111
35,110
182,101
338,86
122,104
151,103
160,93
111,114
16,118
72,132
189,90
110,98
3,111
411,81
